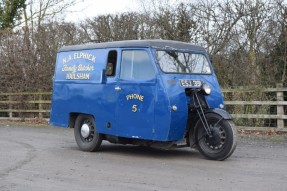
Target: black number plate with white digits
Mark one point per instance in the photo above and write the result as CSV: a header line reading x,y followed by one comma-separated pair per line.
x,y
190,83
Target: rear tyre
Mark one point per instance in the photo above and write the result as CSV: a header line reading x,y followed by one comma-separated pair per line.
x,y
223,141
85,133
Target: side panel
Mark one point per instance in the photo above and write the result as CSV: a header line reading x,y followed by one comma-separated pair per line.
x,y
162,112
177,98
78,88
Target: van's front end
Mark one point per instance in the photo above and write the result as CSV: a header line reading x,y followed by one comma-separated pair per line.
x,y
195,100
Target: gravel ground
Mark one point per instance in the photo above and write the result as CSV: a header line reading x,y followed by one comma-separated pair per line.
x,y
37,157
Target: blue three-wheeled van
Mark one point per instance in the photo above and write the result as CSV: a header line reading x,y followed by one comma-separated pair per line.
x,y
155,93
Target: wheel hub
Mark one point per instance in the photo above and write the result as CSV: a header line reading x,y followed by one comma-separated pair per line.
x,y
85,130
215,138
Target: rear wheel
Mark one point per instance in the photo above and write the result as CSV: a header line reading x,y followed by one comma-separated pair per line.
x,y
85,133
222,143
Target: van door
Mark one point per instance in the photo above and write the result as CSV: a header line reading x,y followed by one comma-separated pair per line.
x,y
136,89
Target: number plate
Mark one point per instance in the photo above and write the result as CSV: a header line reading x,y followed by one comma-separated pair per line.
x,y
190,83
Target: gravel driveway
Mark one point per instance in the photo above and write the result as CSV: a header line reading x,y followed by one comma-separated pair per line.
x,y
47,158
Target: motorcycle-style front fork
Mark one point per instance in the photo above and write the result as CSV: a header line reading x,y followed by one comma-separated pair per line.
x,y
211,132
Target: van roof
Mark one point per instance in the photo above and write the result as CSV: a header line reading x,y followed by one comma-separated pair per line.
x,y
166,44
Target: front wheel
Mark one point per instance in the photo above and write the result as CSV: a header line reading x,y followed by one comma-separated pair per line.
x,y
222,143
85,133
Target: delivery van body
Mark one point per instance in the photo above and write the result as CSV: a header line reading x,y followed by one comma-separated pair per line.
x,y
154,93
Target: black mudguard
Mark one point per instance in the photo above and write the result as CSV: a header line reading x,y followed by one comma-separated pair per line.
x,y
194,124
220,112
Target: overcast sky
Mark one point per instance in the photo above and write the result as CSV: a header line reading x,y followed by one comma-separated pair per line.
x,y
92,8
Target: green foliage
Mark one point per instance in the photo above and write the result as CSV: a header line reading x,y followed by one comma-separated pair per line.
x,y
10,12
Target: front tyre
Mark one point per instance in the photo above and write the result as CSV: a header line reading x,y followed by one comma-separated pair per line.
x,y
222,143
85,133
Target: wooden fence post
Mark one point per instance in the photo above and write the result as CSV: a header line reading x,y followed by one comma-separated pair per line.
x,y
280,109
40,106
10,107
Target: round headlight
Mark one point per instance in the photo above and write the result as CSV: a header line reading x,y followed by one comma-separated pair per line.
x,y
206,88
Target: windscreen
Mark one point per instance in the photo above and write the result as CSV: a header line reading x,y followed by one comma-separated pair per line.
x,y
182,62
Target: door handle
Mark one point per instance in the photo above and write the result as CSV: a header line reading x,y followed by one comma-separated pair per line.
x,y
117,88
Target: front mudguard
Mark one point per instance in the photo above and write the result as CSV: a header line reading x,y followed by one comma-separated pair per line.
x,y
196,123
220,112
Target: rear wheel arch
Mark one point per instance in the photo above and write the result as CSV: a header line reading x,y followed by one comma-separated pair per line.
x,y
73,117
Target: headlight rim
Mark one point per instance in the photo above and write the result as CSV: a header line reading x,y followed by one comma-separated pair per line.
x,y
206,88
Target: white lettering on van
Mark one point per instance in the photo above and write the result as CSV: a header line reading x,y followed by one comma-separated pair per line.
x,y
84,55
75,70
82,67
79,55
135,96
72,69
78,76
67,59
